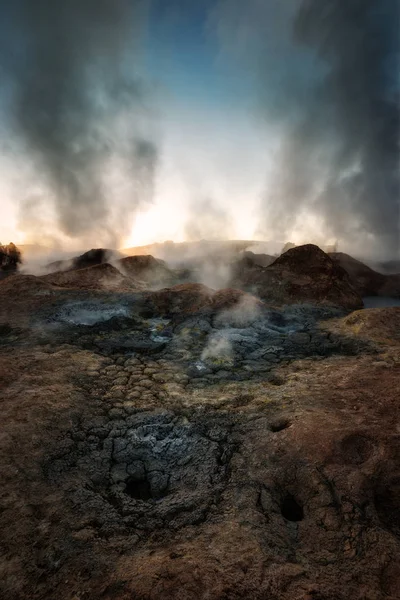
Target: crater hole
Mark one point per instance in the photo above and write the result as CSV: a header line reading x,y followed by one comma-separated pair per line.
x,y
279,425
387,503
139,489
291,510
356,449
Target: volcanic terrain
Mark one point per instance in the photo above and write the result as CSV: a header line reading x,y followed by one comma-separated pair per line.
x,y
165,440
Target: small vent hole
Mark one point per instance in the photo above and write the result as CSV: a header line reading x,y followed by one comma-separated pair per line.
x,y
291,510
139,489
279,425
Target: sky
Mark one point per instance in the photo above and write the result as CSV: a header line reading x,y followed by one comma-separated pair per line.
x,y
128,122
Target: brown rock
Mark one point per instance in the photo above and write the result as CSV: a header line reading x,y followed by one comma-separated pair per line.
x,y
302,274
150,270
94,257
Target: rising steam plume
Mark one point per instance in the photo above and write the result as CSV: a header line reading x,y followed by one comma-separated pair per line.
x,y
328,75
76,109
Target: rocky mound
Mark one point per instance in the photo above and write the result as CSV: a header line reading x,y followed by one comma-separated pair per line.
x,y
95,256
98,277
365,280
146,271
302,274
150,270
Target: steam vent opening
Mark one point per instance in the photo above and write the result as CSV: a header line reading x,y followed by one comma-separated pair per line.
x,y
139,489
291,510
279,425
387,502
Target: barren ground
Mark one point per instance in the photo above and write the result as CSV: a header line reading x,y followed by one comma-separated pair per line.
x,y
215,453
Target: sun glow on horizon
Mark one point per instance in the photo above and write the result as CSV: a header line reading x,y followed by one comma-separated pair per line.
x,y
168,222
156,224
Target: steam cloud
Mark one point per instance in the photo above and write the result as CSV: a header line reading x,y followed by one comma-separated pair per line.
x,y
328,72
218,348
77,109
327,80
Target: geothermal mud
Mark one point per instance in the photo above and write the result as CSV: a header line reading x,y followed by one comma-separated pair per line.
x,y
237,451
144,472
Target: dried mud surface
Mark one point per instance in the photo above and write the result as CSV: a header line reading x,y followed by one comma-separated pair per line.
x,y
232,450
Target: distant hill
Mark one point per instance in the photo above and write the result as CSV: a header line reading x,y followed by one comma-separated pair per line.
x,y
365,280
389,266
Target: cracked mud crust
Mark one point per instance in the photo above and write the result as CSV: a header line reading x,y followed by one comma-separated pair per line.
x,y
151,453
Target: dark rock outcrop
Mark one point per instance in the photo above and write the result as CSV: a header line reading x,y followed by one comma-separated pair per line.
x,y
145,271
91,258
302,274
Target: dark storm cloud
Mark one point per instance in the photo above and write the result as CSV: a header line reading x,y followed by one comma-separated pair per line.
x,y
69,69
328,75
